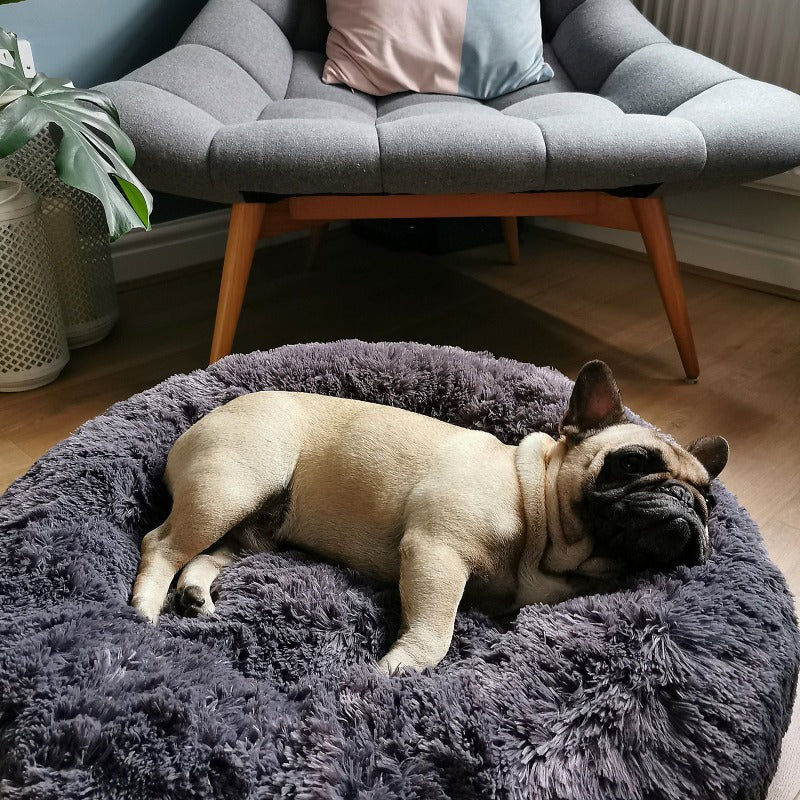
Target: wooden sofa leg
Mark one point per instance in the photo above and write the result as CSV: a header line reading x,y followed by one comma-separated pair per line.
x,y
243,234
511,235
653,222
315,237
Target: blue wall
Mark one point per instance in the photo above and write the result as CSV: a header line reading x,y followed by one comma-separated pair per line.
x,y
91,41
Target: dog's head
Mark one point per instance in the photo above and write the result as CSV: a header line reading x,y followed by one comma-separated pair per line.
x,y
643,500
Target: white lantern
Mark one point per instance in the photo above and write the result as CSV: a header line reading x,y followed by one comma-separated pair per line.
x,y
79,244
33,343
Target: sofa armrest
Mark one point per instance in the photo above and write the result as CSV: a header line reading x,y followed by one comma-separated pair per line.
x,y
749,127
172,136
658,78
608,48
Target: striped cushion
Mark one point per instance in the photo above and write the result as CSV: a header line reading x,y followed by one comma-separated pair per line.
x,y
474,48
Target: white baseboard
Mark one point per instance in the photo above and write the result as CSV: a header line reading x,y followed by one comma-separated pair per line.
x,y
745,254
720,248
785,183
170,245
178,244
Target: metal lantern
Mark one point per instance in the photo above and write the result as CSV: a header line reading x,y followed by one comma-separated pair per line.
x,y
76,229
33,344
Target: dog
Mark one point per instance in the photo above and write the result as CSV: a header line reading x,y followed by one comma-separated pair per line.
x,y
447,513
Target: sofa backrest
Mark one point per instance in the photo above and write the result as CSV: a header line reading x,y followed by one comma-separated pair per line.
x,y
553,14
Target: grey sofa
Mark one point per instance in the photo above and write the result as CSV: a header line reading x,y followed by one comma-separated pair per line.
x,y
237,113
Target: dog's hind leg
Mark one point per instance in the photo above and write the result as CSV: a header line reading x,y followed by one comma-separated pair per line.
x,y
206,505
256,533
193,595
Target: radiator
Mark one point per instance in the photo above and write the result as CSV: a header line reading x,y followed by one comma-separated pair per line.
x,y
759,38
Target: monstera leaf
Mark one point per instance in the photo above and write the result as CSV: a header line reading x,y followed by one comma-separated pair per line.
x,y
93,155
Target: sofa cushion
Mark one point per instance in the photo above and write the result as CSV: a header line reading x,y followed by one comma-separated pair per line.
x,y
268,64
597,36
328,153
597,150
305,84
464,47
459,149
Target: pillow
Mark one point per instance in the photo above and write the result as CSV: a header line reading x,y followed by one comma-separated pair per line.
x,y
474,48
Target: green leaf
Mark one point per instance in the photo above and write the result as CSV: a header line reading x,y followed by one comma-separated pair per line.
x,y
11,78
94,154
20,121
135,198
8,41
11,94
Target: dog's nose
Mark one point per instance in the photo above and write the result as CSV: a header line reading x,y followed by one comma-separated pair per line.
x,y
696,552
679,492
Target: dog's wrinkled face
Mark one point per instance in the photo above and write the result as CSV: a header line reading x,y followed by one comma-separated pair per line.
x,y
643,499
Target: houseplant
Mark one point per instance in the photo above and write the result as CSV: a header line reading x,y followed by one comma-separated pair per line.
x,y
93,153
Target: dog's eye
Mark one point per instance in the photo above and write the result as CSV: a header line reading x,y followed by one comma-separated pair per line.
x,y
633,463
625,466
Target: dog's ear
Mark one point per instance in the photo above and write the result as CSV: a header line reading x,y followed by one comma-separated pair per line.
x,y
711,452
595,402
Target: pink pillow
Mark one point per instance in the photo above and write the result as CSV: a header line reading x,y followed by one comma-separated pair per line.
x,y
475,48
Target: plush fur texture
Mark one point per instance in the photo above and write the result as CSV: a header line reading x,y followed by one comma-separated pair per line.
x,y
679,687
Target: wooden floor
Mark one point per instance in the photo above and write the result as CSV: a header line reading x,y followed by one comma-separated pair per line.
x,y
563,305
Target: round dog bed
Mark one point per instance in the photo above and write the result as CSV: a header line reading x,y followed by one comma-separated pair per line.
x,y
679,687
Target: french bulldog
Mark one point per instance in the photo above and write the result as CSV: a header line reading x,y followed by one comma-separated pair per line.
x,y
449,514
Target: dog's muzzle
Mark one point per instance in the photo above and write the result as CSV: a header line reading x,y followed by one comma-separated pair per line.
x,y
660,526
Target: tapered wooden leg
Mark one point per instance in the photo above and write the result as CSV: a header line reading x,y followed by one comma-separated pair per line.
x,y
315,237
243,234
511,235
654,226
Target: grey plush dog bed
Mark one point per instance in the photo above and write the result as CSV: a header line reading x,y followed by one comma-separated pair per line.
x,y
679,687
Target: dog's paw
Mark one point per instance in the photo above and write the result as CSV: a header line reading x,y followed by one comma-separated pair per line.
x,y
192,601
146,609
386,667
398,662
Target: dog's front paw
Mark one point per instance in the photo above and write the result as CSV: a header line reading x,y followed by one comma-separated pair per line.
x,y
192,601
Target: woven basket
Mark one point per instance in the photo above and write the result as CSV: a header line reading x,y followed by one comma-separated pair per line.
x,y
76,230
